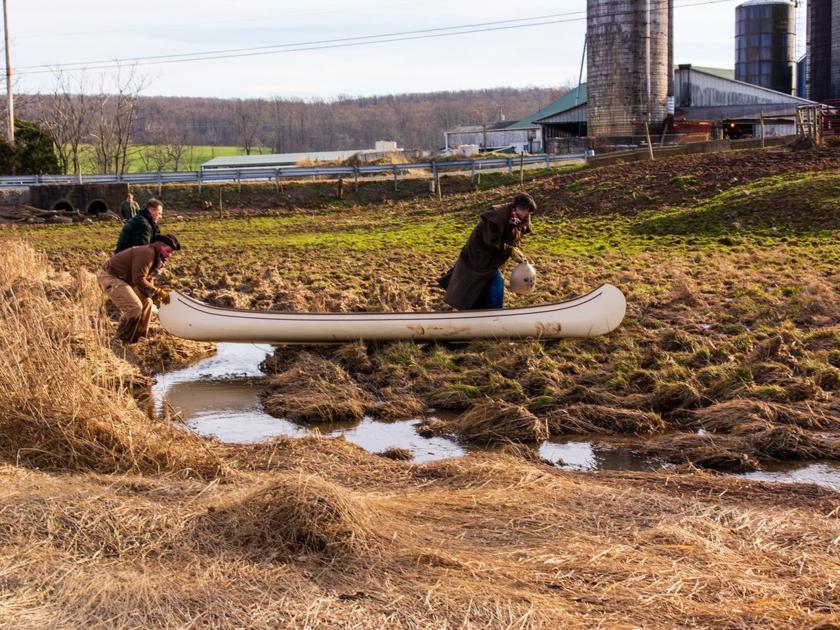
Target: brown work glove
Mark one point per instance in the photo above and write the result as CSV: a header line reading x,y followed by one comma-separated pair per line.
x,y
160,296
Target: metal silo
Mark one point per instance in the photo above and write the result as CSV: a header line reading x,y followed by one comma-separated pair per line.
x,y
627,66
823,49
765,43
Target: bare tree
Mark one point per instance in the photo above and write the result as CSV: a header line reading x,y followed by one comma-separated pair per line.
x,y
166,149
115,116
66,115
249,120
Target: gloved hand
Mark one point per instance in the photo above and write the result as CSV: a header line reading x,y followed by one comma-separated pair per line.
x,y
160,296
517,255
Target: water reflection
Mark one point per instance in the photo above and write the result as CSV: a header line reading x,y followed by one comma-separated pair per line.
x,y
822,473
589,456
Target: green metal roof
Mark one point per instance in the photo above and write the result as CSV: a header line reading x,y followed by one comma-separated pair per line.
x,y
569,100
723,73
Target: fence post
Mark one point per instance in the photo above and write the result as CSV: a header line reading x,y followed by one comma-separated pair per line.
x,y
510,166
395,177
355,179
472,172
761,118
238,181
200,180
160,183
650,146
547,161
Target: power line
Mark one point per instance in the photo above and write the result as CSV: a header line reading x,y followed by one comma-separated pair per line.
x,y
347,42
234,51
193,25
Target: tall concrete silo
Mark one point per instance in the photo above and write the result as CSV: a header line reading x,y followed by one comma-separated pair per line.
x,y
765,43
628,66
823,49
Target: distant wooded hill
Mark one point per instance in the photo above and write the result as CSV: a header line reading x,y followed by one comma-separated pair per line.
x,y
413,120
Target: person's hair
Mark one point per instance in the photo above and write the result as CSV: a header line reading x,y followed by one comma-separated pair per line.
x,y
524,200
151,203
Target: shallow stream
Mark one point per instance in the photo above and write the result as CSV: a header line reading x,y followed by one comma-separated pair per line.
x,y
219,397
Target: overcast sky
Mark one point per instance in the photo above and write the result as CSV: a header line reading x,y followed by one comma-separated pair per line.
x,y
51,32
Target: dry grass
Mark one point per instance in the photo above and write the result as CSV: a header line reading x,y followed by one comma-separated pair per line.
x,y
64,399
489,541
743,448
162,352
296,513
494,421
728,416
315,390
599,419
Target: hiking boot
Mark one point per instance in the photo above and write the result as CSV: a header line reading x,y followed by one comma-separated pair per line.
x,y
127,329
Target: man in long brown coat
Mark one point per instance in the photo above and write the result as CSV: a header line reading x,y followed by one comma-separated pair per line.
x,y
475,281
127,279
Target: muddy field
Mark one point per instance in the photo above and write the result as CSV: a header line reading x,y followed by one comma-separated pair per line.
x,y
729,359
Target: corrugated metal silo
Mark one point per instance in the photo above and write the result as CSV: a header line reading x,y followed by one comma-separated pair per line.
x,y
765,43
823,49
627,66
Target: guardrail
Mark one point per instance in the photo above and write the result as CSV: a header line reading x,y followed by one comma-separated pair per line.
x,y
239,175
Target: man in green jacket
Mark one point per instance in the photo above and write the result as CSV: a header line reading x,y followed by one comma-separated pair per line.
x,y
129,208
141,229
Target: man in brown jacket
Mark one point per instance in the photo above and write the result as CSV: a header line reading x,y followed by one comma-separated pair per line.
x,y
475,281
127,279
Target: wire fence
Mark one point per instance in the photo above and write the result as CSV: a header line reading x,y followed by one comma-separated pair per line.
x,y
279,173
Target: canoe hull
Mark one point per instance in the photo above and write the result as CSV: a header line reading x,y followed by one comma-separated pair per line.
x,y
596,313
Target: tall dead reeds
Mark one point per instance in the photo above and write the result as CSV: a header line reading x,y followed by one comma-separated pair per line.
x,y
64,399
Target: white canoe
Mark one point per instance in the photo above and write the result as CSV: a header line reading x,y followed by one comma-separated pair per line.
x,y
595,313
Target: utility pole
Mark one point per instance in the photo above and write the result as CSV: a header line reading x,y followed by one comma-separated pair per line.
x,y
10,124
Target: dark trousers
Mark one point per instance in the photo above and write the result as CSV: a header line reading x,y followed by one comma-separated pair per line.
x,y
493,295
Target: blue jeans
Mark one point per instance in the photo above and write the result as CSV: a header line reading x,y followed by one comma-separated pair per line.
x,y
493,295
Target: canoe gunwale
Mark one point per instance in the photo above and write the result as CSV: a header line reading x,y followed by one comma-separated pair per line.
x,y
374,316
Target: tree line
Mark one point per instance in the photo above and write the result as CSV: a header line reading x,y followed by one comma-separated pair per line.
x,y
99,122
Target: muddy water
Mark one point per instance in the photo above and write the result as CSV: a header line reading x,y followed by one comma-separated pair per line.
x,y
218,397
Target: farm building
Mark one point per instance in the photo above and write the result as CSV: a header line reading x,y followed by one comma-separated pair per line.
x,y
524,135
494,136
709,103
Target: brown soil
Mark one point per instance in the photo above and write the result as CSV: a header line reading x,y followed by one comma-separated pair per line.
x,y
625,188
